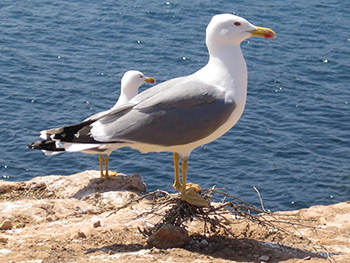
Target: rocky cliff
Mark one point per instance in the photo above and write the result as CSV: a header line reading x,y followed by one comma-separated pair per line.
x,y
75,219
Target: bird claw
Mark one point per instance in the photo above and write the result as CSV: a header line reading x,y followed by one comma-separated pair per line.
x,y
196,187
178,186
192,197
111,176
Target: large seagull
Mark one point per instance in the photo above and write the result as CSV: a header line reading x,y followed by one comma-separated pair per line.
x,y
177,115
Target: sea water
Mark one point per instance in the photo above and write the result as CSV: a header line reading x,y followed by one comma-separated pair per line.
x,y
62,61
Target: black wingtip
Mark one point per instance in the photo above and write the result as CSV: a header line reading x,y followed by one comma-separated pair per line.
x,y
34,145
47,145
30,146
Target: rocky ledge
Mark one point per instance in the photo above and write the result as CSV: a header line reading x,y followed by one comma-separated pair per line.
x,y
74,219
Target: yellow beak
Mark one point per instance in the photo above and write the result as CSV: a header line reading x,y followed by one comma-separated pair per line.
x,y
263,32
150,80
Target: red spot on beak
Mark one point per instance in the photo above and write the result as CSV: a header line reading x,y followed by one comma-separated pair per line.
x,y
269,35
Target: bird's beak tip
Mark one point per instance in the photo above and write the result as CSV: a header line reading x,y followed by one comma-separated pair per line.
x,y
150,80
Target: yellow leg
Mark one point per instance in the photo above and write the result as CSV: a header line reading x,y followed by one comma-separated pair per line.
x,y
107,174
101,165
106,166
177,183
184,174
188,193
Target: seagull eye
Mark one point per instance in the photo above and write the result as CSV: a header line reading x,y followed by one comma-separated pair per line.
x,y
237,23
141,77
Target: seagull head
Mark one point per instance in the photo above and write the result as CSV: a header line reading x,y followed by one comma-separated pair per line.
x,y
228,29
133,79
130,83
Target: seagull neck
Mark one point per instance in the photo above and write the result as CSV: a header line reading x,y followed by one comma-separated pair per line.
x,y
129,92
226,68
126,95
229,57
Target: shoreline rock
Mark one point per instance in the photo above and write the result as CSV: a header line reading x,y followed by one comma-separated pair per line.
x,y
71,218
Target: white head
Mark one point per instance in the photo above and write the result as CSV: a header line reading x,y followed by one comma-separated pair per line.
x,y
130,83
133,79
228,29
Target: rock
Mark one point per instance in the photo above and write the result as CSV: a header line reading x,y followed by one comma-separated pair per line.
x,y
3,239
6,187
169,236
78,234
51,229
81,234
98,185
6,225
111,199
20,225
97,224
86,183
264,258
39,210
204,243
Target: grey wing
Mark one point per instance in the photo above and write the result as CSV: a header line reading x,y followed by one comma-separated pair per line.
x,y
81,132
178,115
101,114
141,97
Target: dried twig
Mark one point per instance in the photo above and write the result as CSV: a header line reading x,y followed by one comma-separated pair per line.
x,y
261,201
173,210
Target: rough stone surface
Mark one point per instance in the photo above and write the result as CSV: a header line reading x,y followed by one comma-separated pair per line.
x,y
6,225
6,187
264,258
51,215
83,184
96,224
3,239
169,236
203,243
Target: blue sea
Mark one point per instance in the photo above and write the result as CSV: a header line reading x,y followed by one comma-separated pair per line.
x,y
61,61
